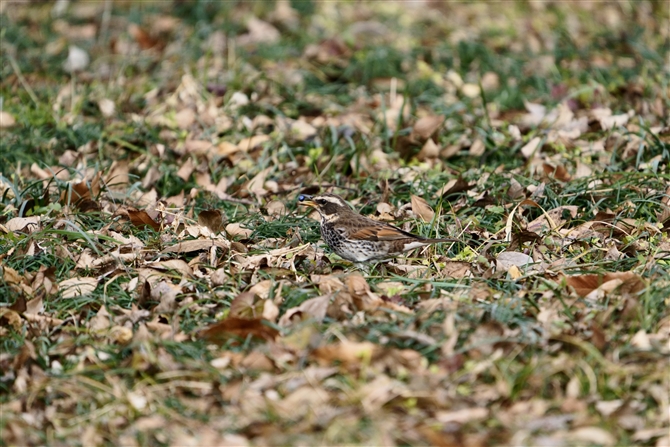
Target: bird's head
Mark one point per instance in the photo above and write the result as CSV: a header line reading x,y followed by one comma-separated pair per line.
x,y
330,206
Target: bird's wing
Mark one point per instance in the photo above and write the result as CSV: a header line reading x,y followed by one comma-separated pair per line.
x,y
382,233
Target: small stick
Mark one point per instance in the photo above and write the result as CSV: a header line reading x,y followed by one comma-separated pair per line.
x,y
22,80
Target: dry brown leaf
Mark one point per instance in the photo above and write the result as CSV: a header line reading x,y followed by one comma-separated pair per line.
x,y
35,306
626,282
429,150
250,143
360,292
142,37
478,148
246,305
453,186
166,294
107,108
259,31
117,178
197,245
176,265
199,147
77,286
239,327
9,317
462,416
532,148
101,321
456,269
327,283
225,149
276,208
552,219
313,308
23,224
81,194
185,118
425,127
558,172
347,352
421,208
6,120
186,169
212,219
592,435
508,259
141,218
256,184
257,361
235,229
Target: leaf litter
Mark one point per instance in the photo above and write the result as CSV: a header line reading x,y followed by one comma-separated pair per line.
x,y
163,288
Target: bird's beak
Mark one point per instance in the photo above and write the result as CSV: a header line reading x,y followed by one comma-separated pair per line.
x,y
304,199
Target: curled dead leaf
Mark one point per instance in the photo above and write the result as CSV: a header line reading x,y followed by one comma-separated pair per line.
x,y
628,283
23,224
6,120
347,352
10,318
212,219
239,327
197,245
421,208
77,286
425,127
314,308
141,218
235,229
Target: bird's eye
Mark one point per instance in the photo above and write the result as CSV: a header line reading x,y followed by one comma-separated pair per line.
x,y
320,201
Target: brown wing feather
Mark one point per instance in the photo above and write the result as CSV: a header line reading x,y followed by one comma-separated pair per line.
x,y
382,233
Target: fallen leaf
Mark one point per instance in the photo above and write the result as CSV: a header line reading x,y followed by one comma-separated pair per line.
x,y
453,186
247,144
508,259
246,305
235,229
212,219
531,148
429,150
425,127
6,120
117,179
107,107
593,435
462,416
141,218
313,308
142,37
197,245
585,284
23,224
176,265
552,219
77,286
421,208
347,352
77,59
10,318
359,290
240,327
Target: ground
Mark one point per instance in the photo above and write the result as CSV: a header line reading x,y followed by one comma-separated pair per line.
x,y
159,284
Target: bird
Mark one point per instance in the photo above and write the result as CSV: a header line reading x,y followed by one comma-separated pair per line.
x,y
357,238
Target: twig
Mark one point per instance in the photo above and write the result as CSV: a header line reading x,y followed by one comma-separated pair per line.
x,y
22,80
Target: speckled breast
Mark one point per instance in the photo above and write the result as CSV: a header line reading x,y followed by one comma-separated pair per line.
x,y
356,251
